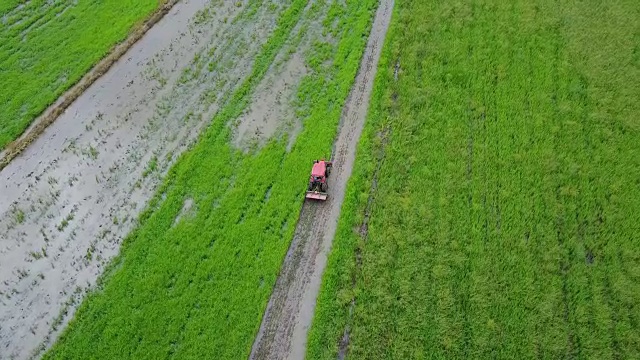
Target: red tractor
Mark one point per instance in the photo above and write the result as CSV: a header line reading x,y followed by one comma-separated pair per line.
x,y
318,186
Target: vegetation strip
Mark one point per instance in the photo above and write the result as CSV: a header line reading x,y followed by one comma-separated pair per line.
x,y
15,147
197,287
504,217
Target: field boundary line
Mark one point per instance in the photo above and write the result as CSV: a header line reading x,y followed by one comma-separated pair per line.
x,y
49,116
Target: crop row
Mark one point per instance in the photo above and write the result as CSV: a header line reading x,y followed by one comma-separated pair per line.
x,y
494,205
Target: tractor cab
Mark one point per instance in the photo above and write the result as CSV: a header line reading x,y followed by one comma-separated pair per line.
x,y
319,169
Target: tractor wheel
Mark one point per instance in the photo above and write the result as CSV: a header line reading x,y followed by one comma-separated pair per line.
x,y
310,187
324,187
327,171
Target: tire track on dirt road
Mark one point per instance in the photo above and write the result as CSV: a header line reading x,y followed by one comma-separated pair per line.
x,y
285,324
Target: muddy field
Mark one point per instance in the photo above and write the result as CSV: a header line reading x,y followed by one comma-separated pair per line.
x,y
69,199
283,332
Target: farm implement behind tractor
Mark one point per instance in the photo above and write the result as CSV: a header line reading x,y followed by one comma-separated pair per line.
x,y
318,185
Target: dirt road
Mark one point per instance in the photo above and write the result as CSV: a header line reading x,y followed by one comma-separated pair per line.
x,y
69,199
283,332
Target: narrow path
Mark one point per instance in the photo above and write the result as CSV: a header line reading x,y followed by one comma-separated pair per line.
x,y
284,328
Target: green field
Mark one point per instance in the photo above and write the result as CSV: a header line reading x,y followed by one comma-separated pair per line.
x,y
494,210
47,46
198,289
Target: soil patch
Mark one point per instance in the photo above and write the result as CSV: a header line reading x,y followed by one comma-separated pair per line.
x,y
271,111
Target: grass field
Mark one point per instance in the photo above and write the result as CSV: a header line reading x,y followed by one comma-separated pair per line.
x,y
197,288
494,211
47,46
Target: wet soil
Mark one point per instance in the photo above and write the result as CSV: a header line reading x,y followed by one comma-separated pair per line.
x,y
284,328
70,198
271,113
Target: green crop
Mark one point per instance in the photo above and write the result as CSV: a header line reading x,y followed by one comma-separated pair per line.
x,y
197,288
47,46
494,206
